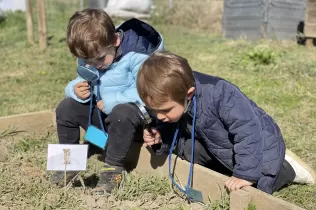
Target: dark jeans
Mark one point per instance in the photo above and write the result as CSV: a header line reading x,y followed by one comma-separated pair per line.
x,y
123,125
206,159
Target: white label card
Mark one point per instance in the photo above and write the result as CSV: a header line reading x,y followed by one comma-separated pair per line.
x,y
72,157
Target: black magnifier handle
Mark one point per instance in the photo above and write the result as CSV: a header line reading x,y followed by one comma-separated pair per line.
x,y
149,129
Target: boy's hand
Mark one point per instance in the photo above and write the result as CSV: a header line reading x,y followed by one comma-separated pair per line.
x,y
234,183
152,138
82,90
100,105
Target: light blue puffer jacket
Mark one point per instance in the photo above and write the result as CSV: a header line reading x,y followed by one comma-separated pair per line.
x,y
118,82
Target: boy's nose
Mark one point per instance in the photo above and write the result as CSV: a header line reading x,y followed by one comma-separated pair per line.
x,y
166,120
162,118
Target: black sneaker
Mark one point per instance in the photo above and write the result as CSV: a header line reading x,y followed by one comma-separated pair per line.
x,y
110,178
59,179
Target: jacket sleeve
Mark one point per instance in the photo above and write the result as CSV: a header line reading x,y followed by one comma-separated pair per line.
x,y
70,92
111,99
237,113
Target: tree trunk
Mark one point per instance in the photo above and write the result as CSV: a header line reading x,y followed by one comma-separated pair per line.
x,y
42,24
29,22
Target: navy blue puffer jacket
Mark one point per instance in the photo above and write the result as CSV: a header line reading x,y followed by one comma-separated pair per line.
x,y
236,131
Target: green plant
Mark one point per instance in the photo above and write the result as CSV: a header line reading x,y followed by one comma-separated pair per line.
x,y
259,55
251,207
29,144
222,204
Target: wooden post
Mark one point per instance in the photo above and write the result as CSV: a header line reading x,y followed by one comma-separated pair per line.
x,y
42,24
310,23
170,4
81,5
29,22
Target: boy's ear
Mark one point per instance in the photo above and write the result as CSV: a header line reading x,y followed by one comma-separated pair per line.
x,y
190,93
118,40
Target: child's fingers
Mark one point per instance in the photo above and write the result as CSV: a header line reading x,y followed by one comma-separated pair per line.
x,y
158,135
84,84
83,89
86,95
151,138
81,84
149,141
234,187
229,184
234,183
148,137
100,103
84,92
157,139
238,186
154,131
147,133
100,106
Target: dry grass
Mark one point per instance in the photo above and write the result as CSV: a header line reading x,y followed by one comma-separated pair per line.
x,y
200,14
24,183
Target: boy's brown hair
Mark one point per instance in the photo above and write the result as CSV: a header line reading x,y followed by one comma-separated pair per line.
x,y
164,76
89,33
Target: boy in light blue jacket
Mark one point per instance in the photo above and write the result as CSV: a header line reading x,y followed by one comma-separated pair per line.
x,y
117,54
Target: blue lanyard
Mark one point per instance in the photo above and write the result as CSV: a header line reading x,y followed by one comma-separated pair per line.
x,y
98,98
186,190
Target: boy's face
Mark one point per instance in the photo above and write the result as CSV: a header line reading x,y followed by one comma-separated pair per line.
x,y
105,59
172,111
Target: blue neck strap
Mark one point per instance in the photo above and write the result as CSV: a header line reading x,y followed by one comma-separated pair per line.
x,y
187,188
91,104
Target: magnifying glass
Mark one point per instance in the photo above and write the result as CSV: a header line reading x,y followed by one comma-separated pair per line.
x,y
144,115
89,73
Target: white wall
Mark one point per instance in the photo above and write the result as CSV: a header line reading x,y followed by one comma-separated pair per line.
x,y
12,5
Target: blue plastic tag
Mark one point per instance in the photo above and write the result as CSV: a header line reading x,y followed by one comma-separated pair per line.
x,y
195,195
96,136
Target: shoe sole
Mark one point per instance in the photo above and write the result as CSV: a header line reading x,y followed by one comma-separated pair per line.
x,y
303,164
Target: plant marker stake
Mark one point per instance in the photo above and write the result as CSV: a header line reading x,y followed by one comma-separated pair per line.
x,y
66,162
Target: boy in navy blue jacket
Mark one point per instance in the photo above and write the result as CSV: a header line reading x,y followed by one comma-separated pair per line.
x,y
116,54
232,134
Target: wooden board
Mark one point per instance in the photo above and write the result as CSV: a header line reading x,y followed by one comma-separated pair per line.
x,y
310,19
209,182
31,122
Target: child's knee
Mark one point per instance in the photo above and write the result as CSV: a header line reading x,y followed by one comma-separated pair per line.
x,y
125,112
64,107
